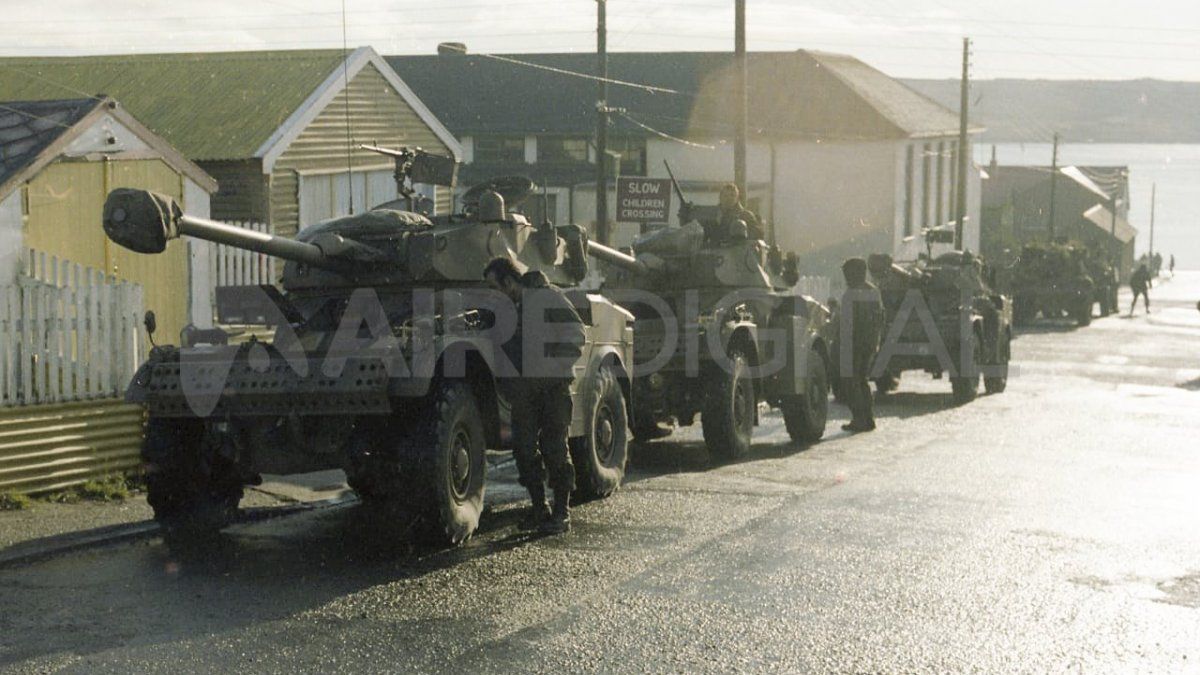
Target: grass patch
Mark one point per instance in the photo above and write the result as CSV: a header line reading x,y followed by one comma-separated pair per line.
x,y
111,488
14,501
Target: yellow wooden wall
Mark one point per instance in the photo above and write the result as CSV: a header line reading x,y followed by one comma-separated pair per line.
x,y
64,206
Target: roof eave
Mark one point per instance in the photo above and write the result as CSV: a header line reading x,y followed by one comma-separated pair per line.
x,y
278,143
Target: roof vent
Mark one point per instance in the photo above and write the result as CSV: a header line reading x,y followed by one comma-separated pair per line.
x,y
452,49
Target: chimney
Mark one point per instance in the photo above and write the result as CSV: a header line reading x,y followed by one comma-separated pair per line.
x,y
452,49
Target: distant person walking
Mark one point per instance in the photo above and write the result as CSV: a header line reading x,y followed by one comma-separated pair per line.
x,y
1171,265
1140,283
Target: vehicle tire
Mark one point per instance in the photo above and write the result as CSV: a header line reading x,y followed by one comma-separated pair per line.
x,y
1082,313
444,465
601,453
729,406
887,383
193,489
805,415
1024,311
965,385
996,384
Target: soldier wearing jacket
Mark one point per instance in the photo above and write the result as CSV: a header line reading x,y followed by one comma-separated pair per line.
x,y
549,339
861,329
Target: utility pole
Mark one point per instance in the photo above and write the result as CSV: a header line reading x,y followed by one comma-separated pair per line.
x,y
602,122
1153,203
963,141
739,50
1054,184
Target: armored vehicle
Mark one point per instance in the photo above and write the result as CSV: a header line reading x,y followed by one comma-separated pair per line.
x,y
384,361
1050,280
717,331
942,317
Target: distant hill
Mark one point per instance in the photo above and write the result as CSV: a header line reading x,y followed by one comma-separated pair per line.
x,y
1083,111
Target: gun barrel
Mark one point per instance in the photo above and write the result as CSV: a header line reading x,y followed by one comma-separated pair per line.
x,y
259,242
144,222
615,257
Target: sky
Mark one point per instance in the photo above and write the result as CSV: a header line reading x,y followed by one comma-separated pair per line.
x,y
1053,39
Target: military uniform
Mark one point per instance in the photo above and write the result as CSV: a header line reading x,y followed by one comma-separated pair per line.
x,y
728,221
861,330
548,341
1139,283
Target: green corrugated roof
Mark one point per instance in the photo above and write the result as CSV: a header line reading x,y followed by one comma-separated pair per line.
x,y
221,105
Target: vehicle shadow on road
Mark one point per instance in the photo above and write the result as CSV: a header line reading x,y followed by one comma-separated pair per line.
x,y
906,404
248,576
1048,326
666,456
1190,385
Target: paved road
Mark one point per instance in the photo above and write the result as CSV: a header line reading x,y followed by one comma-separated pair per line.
x,y
1051,528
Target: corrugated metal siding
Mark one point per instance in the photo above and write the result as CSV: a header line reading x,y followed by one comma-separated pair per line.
x,y
242,191
65,202
44,448
377,115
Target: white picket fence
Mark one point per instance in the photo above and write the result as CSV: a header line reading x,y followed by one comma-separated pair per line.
x,y
67,333
232,266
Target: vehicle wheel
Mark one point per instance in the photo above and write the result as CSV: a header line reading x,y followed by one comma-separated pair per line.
x,y
996,384
887,383
965,385
601,453
193,489
729,407
805,415
1083,312
1023,311
445,466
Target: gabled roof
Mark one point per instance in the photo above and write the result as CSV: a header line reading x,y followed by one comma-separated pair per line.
x,y
799,94
27,128
35,133
211,105
1101,216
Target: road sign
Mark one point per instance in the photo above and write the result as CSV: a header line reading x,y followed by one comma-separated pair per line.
x,y
643,200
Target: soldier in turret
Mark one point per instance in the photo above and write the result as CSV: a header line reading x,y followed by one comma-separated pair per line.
x,y
732,212
548,341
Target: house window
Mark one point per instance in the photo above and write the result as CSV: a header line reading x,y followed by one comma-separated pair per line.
x,y
562,149
633,155
926,182
909,170
500,149
941,183
325,196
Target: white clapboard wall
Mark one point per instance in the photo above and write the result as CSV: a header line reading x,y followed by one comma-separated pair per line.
x,y
67,333
232,266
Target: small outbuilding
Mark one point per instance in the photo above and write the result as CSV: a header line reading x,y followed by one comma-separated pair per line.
x,y
58,161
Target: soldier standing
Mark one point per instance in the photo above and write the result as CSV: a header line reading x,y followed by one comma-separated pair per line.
x,y
861,330
1139,282
548,341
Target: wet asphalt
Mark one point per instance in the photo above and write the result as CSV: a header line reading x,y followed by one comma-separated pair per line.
x,y
1053,528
